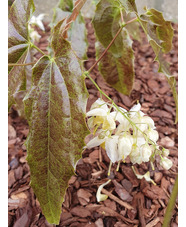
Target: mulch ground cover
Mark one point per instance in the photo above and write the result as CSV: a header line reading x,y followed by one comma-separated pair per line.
x,y
80,208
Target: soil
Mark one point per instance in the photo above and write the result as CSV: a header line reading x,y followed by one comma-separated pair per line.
x,y
80,208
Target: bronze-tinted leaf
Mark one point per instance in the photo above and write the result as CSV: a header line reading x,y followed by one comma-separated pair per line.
x,y
106,24
55,108
118,71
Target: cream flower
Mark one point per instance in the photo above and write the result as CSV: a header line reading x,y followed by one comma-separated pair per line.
x,y
101,115
111,145
38,21
141,151
124,123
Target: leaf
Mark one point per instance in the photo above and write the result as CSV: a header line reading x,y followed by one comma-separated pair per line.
x,y
129,5
117,64
106,25
160,34
159,31
55,108
18,44
77,33
118,71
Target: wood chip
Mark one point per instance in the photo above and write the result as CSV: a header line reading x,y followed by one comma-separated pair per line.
x,y
123,194
167,142
99,223
11,178
153,223
80,212
11,132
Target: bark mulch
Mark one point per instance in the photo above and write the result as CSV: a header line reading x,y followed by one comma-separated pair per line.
x,y
80,208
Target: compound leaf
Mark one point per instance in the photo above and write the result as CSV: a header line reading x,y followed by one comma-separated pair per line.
x,y
118,71
55,108
18,44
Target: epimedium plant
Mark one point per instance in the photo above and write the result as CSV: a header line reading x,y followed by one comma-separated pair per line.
x,y
55,95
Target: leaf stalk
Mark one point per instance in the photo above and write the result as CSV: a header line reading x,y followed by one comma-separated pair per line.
x,y
171,205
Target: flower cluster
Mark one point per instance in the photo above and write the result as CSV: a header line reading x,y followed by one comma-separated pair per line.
x,y
125,133
35,21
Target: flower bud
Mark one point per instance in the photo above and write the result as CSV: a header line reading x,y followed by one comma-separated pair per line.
x,y
165,152
166,163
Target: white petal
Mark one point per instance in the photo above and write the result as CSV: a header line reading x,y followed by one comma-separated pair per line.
x,y
109,123
111,147
32,20
124,147
145,152
117,116
135,109
135,156
148,121
140,141
101,197
95,142
99,103
96,112
40,24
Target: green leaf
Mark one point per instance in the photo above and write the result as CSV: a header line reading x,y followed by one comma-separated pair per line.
x,y
129,5
55,108
106,24
118,71
18,44
159,31
77,34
